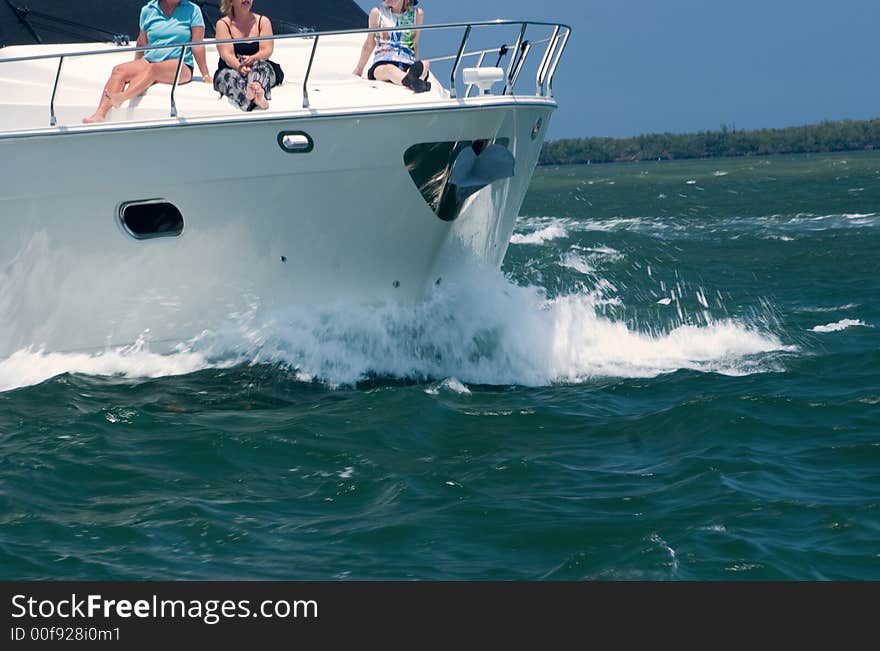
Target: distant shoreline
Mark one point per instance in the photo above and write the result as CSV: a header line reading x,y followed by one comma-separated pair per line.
x,y
825,137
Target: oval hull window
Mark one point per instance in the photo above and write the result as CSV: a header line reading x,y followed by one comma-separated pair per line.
x,y
153,218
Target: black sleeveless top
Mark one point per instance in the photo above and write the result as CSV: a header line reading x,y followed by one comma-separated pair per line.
x,y
242,49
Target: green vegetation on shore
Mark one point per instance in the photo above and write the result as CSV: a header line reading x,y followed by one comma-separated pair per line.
x,y
847,135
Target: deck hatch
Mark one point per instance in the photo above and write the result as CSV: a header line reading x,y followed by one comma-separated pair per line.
x,y
151,218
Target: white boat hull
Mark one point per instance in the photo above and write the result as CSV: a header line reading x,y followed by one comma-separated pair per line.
x,y
263,228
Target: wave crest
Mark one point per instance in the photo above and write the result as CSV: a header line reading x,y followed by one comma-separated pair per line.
x,y
480,329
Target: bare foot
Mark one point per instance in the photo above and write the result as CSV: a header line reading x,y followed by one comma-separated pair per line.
x,y
95,117
250,92
260,97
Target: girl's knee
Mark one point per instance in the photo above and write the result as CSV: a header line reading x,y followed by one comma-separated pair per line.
x,y
384,73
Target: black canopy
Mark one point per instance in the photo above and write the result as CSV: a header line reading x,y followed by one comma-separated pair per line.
x,y
70,21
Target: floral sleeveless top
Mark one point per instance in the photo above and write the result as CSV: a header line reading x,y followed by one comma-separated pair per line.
x,y
397,45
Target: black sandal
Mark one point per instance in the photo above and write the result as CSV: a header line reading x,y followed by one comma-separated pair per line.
x,y
413,75
420,86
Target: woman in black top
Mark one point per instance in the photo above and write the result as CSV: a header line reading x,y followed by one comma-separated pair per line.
x,y
245,74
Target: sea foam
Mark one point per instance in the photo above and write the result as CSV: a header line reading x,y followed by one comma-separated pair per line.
x,y
540,236
479,329
31,366
843,324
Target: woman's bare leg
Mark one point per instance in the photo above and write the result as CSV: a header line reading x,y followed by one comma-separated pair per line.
x,y
136,86
121,75
165,71
395,75
389,73
161,72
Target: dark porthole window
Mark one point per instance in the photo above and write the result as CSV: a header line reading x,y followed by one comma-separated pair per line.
x,y
154,218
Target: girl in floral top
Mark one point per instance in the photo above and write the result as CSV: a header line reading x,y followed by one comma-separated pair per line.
x,y
395,52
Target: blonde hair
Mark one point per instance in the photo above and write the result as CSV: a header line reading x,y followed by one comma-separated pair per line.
x,y
226,7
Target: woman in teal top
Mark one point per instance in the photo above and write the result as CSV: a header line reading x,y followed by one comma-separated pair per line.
x,y
162,22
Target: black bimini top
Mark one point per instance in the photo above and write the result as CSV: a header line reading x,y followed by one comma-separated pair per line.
x,y
26,22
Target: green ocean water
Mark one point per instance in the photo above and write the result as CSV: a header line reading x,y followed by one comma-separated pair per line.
x,y
675,376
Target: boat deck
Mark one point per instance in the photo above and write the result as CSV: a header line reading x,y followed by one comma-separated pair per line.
x,y
53,87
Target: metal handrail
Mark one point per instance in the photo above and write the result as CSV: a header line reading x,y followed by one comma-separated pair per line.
x,y
308,72
509,75
545,60
52,120
176,79
467,33
473,53
524,50
280,37
546,70
552,70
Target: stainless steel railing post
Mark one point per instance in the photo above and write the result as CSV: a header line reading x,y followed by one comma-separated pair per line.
x,y
176,79
52,120
308,72
552,70
525,48
545,61
513,59
467,33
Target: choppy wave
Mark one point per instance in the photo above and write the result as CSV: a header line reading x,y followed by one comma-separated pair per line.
x,y
832,308
783,227
577,262
486,331
449,384
422,473
540,236
31,366
843,324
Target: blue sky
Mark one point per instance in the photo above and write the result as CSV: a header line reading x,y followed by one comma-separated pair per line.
x,y
644,66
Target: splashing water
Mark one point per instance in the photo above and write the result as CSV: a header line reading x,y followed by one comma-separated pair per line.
x,y
483,331
29,366
540,236
843,324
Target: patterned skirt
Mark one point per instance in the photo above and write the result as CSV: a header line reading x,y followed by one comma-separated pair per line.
x,y
234,85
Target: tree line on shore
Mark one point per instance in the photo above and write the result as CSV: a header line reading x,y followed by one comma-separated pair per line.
x,y
846,135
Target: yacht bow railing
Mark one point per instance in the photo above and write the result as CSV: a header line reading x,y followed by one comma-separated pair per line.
x,y
554,47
